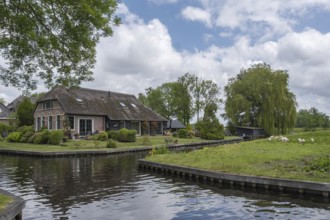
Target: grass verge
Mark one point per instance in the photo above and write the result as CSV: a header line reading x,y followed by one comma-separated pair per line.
x,y
291,160
76,145
4,201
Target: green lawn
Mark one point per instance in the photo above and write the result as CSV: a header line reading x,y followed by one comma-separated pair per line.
x,y
4,201
291,160
73,145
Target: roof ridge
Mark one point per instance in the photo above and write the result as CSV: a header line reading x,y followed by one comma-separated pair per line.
x,y
98,90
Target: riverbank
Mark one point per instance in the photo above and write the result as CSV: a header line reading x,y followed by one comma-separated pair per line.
x,y
307,161
71,152
10,206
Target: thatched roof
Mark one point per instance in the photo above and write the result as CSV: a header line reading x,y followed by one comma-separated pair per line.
x,y
117,106
14,104
4,111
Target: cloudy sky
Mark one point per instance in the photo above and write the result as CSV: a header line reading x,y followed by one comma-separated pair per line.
x,y
161,40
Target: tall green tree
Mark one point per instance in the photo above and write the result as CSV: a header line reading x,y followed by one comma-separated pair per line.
x,y
24,113
259,96
312,118
52,40
210,127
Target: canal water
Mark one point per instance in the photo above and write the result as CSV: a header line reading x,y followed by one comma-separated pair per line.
x,y
111,187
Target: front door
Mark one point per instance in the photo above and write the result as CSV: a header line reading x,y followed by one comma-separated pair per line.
x,y
85,126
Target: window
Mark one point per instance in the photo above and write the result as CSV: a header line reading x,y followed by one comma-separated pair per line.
x,y
43,122
136,126
85,126
50,122
71,122
134,106
38,123
58,122
47,105
122,104
121,124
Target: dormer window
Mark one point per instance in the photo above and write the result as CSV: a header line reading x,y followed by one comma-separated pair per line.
x,y
122,104
133,105
47,105
79,100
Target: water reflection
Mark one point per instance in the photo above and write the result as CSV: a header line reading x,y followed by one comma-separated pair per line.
x,y
112,188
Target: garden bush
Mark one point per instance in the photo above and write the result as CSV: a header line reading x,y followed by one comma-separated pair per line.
x,y
14,136
125,135
31,138
25,129
111,144
55,137
103,136
41,137
113,134
25,137
183,133
175,134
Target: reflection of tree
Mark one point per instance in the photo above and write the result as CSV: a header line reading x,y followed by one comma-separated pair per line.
x,y
69,181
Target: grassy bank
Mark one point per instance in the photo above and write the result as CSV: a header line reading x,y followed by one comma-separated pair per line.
x,y
4,201
291,160
74,145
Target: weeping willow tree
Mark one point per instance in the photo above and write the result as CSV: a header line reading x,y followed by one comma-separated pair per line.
x,y
259,96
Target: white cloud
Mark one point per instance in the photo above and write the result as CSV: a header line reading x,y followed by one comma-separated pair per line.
x,y
141,55
197,14
159,2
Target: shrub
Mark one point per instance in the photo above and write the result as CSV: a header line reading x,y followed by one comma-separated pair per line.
x,y
41,137
125,135
103,136
25,137
14,136
183,133
175,134
31,138
131,136
25,129
210,130
111,144
55,137
113,134
37,138
146,141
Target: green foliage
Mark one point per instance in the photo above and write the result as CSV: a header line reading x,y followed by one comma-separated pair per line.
x,y
55,137
5,129
25,129
125,135
14,136
31,138
175,134
25,112
146,140
183,98
113,134
259,96
210,127
103,136
111,144
1,138
310,119
320,164
53,40
25,136
159,150
41,137
183,133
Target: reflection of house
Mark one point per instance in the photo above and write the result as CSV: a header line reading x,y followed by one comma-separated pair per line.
x,y
174,125
89,110
250,132
4,114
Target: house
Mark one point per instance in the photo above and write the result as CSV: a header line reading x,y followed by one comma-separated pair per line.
x,y
250,132
15,103
175,125
4,114
87,111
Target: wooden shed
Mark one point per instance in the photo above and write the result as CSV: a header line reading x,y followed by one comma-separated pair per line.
x,y
250,133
